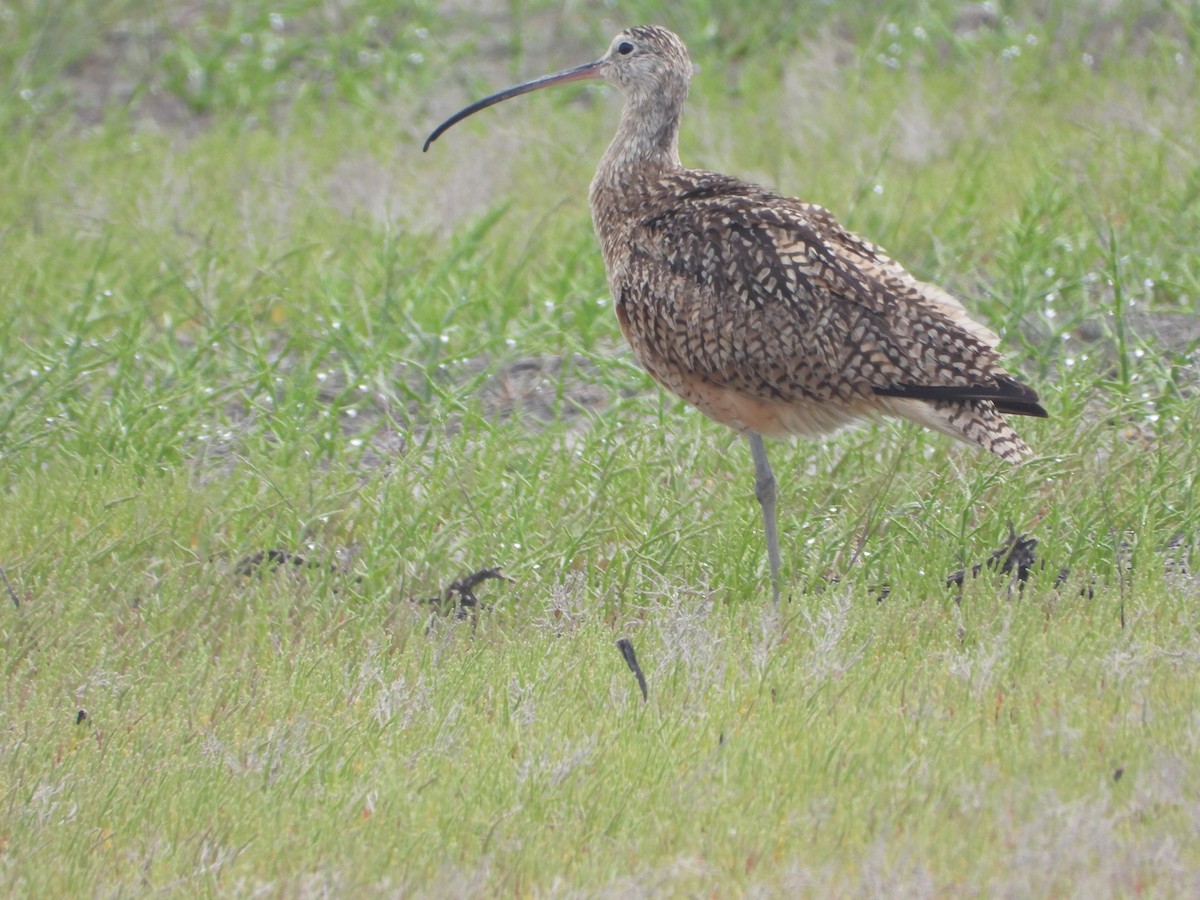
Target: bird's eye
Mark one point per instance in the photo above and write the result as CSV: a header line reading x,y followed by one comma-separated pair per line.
x,y
624,48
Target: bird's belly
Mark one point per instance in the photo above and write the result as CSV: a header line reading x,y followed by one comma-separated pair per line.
x,y
733,405
776,418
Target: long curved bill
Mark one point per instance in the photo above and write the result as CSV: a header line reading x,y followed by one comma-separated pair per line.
x,y
579,73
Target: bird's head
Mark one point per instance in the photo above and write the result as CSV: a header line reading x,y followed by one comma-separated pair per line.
x,y
645,63
646,60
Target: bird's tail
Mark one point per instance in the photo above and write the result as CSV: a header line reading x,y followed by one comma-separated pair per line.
x,y
973,421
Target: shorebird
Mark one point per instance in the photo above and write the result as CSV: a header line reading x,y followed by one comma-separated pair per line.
x,y
761,310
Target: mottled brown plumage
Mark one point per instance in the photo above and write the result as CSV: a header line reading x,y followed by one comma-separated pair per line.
x,y
761,310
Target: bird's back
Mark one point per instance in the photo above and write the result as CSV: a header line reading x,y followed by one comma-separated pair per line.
x,y
771,318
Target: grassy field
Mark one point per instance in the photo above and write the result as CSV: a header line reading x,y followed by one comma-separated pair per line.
x,y
246,321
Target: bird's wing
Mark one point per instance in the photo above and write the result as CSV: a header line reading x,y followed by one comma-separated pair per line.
x,y
773,298
874,260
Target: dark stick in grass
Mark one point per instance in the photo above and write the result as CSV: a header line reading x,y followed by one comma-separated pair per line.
x,y
625,645
8,585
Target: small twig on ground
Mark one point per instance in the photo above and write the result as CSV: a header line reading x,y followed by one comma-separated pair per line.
x,y
8,586
248,565
625,645
464,589
1016,557
465,586
265,561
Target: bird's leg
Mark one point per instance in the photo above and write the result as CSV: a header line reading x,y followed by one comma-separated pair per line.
x,y
764,489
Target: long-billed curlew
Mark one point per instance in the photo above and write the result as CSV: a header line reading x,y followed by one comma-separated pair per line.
x,y
763,311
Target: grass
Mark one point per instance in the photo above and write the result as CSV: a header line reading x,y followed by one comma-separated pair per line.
x,y
243,313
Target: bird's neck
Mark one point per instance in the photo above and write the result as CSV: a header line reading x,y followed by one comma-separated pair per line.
x,y
645,147
647,139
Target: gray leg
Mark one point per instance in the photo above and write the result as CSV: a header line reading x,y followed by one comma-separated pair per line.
x,y
764,489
